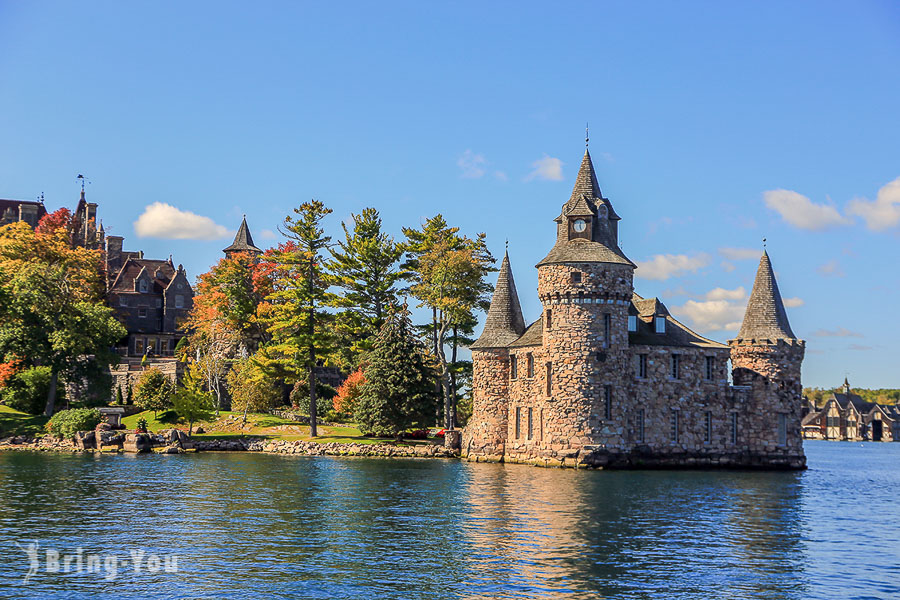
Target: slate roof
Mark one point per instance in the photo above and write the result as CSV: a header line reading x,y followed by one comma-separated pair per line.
x,y
504,323
811,419
677,334
132,268
533,336
14,205
243,241
765,318
586,185
585,199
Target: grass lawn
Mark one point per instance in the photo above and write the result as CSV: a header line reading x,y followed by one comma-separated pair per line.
x,y
228,425
14,422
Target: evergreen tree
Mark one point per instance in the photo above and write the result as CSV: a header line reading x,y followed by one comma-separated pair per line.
x,y
300,327
154,391
364,265
193,403
398,392
120,400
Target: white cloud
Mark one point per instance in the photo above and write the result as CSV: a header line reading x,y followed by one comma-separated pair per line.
x,y
161,220
831,269
860,348
839,332
794,302
268,234
723,294
663,266
472,165
727,266
882,213
740,253
712,315
548,168
800,211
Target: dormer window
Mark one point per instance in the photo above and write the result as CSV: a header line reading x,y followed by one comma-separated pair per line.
x,y
660,324
144,286
579,225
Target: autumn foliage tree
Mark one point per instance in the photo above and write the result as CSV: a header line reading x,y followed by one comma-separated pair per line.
x,y
348,393
52,309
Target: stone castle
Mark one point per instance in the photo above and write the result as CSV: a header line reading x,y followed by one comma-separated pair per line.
x,y
606,378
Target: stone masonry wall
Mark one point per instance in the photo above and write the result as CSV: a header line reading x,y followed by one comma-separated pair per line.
x,y
484,436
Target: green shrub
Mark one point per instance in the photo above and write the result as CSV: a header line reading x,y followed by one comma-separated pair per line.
x,y
154,391
324,397
27,390
66,423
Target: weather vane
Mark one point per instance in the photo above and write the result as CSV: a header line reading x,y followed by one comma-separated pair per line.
x,y
587,137
764,242
83,179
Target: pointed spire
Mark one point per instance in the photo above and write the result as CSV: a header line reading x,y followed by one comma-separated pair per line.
x,y
586,182
243,241
504,323
765,318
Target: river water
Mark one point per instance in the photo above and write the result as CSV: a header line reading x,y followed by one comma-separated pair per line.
x,y
243,525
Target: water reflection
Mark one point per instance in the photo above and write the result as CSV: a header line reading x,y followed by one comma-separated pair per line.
x,y
618,534
251,526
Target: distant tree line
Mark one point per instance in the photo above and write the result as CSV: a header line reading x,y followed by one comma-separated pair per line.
x,y
879,396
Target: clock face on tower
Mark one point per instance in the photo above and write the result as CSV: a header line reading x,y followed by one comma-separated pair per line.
x,y
579,225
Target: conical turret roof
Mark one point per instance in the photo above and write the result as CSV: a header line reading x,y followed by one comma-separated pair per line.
x,y
765,318
243,241
504,323
586,186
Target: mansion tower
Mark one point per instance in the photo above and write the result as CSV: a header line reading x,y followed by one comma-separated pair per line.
x,y
607,378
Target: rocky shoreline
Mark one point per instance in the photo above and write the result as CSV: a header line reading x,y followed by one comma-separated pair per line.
x,y
177,442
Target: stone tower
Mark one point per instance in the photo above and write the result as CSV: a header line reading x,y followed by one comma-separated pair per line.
x,y
585,288
766,345
490,369
243,242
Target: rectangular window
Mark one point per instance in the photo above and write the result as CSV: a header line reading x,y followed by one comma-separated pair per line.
x,y
159,303
549,389
541,424
641,366
632,323
782,429
576,278
530,427
138,346
676,366
607,402
660,324
734,424
708,425
674,426
549,319
179,301
710,368
606,327
142,312
529,364
518,416
640,425
513,367
123,301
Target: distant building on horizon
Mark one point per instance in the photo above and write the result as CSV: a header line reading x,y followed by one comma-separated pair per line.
x,y
845,416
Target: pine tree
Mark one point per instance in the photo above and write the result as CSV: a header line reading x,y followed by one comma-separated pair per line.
x,y
300,327
364,265
399,389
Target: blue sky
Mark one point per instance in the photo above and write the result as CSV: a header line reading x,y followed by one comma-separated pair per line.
x,y
713,125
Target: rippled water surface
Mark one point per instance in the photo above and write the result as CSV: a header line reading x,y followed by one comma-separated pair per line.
x,y
257,526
